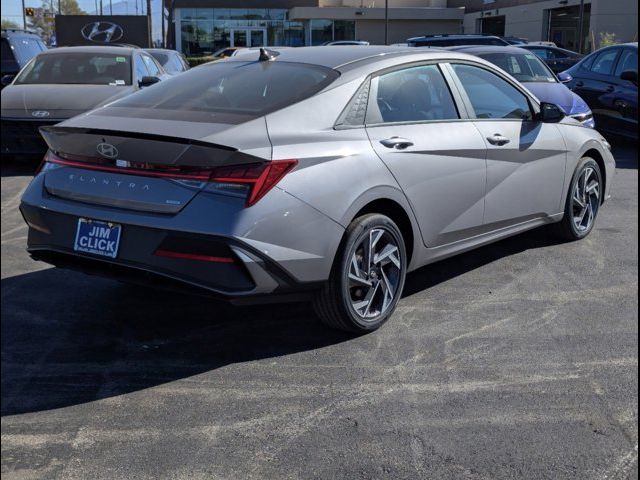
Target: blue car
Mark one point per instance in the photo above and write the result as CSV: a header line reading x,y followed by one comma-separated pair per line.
x,y
528,69
608,81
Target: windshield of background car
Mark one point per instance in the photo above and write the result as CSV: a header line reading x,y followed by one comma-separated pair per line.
x,y
226,92
524,67
77,68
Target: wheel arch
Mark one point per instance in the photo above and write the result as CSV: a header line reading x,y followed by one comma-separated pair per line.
x,y
599,159
397,211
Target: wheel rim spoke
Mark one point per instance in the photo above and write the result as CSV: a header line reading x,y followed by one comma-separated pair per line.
x,y
586,199
374,274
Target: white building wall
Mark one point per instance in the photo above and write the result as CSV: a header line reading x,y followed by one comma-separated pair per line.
x,y
529,21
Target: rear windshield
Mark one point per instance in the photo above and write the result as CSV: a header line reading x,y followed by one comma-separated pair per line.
x,y
524,67
227,91
80,68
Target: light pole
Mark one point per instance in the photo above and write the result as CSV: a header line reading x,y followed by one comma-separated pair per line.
x,y
386,22
149,22
581,27
24,17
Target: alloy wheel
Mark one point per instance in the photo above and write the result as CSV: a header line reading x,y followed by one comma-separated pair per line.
x,y
586,199
374,274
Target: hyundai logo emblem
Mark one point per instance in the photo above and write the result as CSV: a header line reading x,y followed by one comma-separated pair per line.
x,y
107,150
40,113
102,32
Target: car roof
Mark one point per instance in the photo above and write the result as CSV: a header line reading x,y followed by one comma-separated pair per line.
x,y
91,49
15,32
479,49
327,56
454,36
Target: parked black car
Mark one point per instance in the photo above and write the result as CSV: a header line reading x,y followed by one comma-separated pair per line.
x,y
18,47
456,40
557,58
172,61
608,81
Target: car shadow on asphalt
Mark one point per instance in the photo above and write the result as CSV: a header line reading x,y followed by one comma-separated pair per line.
x,y
68,338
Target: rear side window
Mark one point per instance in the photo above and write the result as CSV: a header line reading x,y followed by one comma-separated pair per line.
x,y
414,94
628,61
9,62
604,62
541,52
492,97
229,92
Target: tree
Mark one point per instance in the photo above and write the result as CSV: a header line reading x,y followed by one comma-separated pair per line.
x,y
9,24
43,22
607,39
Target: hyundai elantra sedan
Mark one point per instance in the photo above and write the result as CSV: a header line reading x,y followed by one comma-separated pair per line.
x,y
317,173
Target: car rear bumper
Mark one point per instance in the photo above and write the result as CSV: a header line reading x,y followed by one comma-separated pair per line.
x,y
284,247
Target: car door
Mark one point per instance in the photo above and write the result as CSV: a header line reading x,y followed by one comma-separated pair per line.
x,y
623,101
525,158
432,149
598,82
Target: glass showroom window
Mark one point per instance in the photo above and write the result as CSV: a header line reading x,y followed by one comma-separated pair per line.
x,y
323,31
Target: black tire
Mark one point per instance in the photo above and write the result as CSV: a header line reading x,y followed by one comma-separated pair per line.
x,y
566,229
333,304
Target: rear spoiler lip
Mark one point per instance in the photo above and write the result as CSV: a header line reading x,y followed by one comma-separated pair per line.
x,y
53,129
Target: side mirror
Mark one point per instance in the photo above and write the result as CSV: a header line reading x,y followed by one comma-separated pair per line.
x,y
550,113
7,79
148,81
629,75
564,77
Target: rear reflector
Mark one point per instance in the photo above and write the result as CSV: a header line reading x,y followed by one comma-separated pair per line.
x,y
259,177
192,256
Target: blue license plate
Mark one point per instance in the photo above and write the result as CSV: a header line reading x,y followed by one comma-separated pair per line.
x,y
98,238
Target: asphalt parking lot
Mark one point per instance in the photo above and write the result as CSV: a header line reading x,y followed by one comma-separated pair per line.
x,y
518,360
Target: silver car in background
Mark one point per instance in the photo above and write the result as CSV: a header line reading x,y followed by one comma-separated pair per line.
x,y
322,173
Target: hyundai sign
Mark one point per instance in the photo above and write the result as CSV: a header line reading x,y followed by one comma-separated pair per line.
x,y
102,30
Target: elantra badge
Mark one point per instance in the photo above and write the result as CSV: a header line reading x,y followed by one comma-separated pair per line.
x,y
40,114
107,150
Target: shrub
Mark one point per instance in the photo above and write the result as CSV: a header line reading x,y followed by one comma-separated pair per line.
x,y
607,39
195,61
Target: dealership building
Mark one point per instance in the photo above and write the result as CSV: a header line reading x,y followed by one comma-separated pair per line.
x,y
203,26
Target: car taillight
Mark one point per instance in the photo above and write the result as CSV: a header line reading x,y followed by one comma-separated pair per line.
x,y
259,178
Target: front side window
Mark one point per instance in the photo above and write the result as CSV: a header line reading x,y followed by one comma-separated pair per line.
x,y
153,69
524,67
226,92
604,62
491,96
141,68
78,68
628,61
414,94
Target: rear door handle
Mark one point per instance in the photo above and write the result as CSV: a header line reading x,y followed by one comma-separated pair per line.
x,y
610,88
579,84
397,143
498,139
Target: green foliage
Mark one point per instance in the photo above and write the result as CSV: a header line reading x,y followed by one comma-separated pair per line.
x,y
195,61
44,24
9,24
607,39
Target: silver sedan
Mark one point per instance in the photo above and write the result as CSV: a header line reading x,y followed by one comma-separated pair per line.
x,y
318,173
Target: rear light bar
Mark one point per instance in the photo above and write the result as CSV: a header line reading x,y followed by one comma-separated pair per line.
x,y
259,177
192,256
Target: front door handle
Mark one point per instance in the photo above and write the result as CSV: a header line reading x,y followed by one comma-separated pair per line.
x,y
498,139
397,143
579,84
610,89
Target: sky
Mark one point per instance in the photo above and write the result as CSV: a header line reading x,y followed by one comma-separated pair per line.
x,y
12,9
